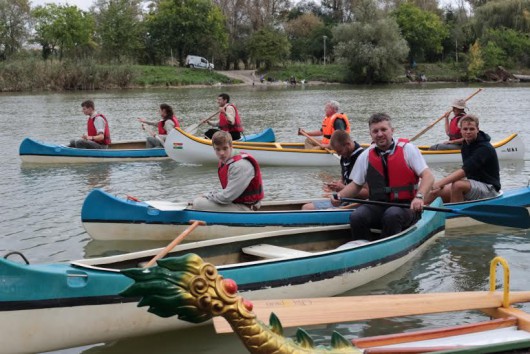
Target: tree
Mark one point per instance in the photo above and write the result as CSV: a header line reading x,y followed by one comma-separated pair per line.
x,y
64,30
269,46
187,26
120,29
300,32
424,31
14,24
374,52
514,14
476,63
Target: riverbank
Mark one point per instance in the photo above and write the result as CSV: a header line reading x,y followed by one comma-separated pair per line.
x,y
35,75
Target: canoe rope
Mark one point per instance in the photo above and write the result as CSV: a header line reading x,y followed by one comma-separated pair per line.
x,y
18,254
130,197
193,290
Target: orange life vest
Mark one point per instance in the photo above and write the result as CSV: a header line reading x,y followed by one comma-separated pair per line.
x,y
328,123
225,125
91,129
393,179
162,130
254,192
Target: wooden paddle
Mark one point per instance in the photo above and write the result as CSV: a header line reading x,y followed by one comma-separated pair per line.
x,y
502,215
151,133
317,311
318,143
192,129
175,242
441,117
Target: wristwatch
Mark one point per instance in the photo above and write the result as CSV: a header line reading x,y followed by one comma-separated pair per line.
x,y
419,195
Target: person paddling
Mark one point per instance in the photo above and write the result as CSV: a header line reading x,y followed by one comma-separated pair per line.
x,y
229,119
332,121
167,123
452,128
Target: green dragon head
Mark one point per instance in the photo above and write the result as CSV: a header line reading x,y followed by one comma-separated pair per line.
x,y
188,287
194,291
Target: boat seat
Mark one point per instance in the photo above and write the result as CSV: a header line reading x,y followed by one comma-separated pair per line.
x,y
270,251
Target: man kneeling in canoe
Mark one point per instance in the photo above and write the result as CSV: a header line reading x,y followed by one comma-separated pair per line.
x,y
240,177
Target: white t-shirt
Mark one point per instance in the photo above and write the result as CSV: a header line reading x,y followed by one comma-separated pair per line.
x,y
99,123
412,154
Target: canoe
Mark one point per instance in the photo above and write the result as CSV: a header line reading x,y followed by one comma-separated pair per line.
x,y
109,217
177,287
46,307
34,151
186,148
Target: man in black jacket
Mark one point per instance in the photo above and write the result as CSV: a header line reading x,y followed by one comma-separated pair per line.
x,y
479,176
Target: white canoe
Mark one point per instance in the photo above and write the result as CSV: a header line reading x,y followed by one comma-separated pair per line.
x,y
185,148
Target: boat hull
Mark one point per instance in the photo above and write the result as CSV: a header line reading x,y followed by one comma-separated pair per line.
x,y
185,148
34,151
107,217
49,307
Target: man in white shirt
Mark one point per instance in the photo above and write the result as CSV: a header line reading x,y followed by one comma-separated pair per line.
x,y
98,131
395,171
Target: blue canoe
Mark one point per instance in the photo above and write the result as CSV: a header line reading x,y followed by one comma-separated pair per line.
x,y
34,151
51,306
108,217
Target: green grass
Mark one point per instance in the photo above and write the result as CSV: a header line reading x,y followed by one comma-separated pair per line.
x,y
171,76
309,72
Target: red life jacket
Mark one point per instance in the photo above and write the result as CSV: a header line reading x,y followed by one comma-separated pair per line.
x,y
91,129
393,181
328,126
254,192
225,125
162,130
454,129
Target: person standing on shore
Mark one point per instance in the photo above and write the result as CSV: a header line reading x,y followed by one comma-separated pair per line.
x,y
229,119
98,131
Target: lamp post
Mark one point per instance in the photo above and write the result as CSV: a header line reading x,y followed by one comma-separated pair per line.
x,y
325,37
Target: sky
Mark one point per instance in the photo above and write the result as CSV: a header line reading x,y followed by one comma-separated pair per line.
x,y
82,4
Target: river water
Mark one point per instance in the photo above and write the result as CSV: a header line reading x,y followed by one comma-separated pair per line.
x,y
40,204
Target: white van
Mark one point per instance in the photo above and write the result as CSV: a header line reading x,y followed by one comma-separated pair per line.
x,y
193,61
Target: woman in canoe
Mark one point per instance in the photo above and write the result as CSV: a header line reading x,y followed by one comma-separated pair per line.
x,y
167,122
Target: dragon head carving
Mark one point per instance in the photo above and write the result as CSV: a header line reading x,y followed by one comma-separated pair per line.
x,y
193,290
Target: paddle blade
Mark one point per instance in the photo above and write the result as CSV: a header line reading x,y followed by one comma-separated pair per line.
x,y
502,215
192,129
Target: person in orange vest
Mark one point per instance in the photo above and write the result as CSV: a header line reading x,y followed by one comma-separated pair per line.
x,y
452,128
229,119
332,121
240,177
167,123
98,131
395,171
